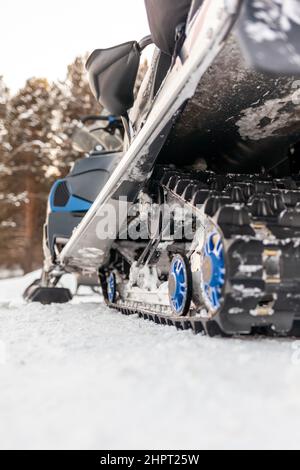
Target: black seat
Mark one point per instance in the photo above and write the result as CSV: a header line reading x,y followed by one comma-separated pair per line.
x,y
113,72
164,16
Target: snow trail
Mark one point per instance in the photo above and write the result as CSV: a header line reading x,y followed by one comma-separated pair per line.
x,y
82,376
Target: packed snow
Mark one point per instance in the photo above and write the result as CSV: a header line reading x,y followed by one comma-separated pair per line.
x,y
81,376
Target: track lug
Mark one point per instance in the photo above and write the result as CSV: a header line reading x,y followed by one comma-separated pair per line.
x,y
263,187
181,186
260,207
237,195
217,183
190,192
277,203
214,203
200,197
249,190
230,215
290,218
172,183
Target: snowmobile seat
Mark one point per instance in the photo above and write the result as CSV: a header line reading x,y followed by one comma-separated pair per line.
x,y
164,17
163,33
112,75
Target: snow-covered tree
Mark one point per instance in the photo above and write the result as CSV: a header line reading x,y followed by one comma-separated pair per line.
x,y
30,165
75,101
36,149
6,221
36,126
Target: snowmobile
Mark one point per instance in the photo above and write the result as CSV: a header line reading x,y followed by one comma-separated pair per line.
x,y
199,224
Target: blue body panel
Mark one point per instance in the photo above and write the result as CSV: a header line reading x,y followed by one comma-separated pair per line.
x,y
74,204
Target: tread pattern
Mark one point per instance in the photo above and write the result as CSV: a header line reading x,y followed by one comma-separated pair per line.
x,y
259,218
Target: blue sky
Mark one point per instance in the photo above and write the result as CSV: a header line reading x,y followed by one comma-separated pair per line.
x,y
40,37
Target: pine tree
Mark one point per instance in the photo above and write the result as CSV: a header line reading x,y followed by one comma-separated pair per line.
x,y
31,167
6,201
75,101
36,126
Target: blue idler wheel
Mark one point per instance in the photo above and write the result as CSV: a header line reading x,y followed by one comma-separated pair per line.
x,y
180,286
213,272
111,288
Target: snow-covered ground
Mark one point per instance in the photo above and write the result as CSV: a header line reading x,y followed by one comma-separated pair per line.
x,y
82,376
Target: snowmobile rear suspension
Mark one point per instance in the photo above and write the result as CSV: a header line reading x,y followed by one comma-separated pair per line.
x,y
240,272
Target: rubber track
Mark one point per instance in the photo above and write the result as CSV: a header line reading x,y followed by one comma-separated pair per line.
x,y
242,206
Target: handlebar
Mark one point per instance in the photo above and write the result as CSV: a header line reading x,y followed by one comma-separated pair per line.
x,y
92,117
